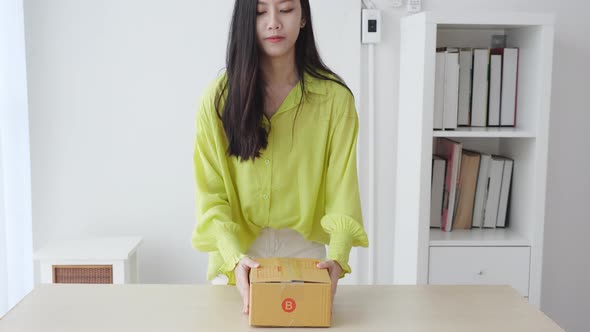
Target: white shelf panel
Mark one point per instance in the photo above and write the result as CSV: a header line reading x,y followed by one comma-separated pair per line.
x,y
486,20
497,132
477,237
97,248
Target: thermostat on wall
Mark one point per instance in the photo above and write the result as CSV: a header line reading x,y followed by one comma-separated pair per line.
x,y
371,25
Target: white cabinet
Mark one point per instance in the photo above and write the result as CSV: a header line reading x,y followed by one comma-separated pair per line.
x,y
418,256
480,266
105,260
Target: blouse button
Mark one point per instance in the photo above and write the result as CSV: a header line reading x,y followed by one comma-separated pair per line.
x,y
267,161
265,196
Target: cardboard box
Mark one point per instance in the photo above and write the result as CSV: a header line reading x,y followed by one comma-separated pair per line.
x,y
290,292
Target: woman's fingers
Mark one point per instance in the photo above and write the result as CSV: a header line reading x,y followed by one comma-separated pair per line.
x,y
249,262
326,265
246,298
242,280
242,284
243,288
334,270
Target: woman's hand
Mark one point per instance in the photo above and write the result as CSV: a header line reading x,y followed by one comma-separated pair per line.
x,y
242,272
334,270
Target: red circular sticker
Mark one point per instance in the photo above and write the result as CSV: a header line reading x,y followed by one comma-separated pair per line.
x,y
289,305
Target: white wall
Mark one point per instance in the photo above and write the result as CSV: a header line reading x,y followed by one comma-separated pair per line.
x,y
16,245
565,290
113,92
113,87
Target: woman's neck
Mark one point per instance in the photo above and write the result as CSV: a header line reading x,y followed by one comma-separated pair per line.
x,y
279,71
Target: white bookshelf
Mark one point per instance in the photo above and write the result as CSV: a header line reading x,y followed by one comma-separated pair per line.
x,y
512,255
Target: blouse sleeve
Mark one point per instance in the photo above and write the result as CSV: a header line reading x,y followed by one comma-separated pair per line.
x,y
215,230
343,216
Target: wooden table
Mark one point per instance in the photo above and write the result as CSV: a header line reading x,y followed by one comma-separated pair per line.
x,y
179,308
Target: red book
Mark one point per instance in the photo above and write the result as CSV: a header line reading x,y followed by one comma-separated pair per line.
x,y
450,151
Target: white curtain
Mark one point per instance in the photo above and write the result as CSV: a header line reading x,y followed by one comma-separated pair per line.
x,y
16,264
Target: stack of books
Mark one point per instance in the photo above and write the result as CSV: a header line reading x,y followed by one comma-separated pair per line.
x,y
475,87
469,188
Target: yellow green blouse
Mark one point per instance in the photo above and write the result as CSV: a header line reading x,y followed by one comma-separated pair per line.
x,y
305,180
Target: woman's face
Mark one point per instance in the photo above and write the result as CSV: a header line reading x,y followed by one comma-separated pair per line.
x,y
278,23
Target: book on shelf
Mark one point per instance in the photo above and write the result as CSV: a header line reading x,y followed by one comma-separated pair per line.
x,y
501,221
450,151
439,166
466,191
451,88
465,69
495,89
481,194
475,87
508,107
495,178
446,88
470,189
503,112
479,100
439,96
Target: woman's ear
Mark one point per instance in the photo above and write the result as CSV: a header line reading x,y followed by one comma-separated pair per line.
x,y
302,23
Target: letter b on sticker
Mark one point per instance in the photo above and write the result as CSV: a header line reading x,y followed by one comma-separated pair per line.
x,y
289,305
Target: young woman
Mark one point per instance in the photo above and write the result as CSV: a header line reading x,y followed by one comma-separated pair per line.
x,y
275,151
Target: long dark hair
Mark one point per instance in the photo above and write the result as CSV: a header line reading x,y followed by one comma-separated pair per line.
x,y
243,109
